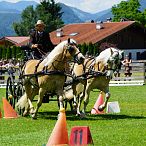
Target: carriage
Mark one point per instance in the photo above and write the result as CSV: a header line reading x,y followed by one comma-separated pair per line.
x,y
49,76
15,83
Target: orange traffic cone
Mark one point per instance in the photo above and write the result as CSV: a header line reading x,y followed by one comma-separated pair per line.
x,y
99,101
0,114
9,112
59,134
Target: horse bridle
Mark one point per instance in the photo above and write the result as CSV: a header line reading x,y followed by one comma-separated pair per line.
x,y
70,48
116,59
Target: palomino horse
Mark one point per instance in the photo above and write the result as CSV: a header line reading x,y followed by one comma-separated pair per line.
x,y
47,76
95,74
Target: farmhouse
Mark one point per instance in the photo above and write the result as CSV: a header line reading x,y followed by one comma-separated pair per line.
x,y
13,40
127,35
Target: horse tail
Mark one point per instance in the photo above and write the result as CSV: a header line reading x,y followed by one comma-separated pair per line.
x,y
23,103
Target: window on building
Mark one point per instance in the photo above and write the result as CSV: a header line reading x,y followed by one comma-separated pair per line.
x,y
130,55
138,55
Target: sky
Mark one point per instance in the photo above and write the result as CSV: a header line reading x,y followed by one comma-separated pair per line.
x,y
91,6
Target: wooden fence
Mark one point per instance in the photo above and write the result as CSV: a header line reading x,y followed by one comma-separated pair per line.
x,y
138,76
4,76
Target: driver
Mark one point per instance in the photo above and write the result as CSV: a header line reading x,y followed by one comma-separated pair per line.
x,y
40,42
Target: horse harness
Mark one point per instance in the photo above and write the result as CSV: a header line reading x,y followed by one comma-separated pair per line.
x,y
45,71
91,73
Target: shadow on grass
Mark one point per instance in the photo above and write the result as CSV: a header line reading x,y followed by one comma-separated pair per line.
x,y
52,115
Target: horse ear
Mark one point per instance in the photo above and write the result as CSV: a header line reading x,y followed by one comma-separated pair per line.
x,y
121,54
68,40
111,51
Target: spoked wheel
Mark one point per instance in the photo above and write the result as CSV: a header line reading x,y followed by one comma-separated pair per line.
x,y
10,91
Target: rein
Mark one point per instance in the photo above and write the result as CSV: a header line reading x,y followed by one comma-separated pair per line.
x,y
45,70
91,73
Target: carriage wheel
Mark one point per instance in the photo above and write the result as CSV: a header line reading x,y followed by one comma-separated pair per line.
x,y
10,91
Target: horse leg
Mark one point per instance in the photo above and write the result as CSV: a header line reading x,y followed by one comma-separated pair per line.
x,y
22,105
39,103
70,103
87,90
81,96
31,107
86,101
107,96
30,94
23,102
74,97
61,98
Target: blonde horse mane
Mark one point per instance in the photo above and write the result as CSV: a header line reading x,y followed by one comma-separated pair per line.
x,y
56,52
106,54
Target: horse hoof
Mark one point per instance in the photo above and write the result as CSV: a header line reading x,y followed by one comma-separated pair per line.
x,y
34,117
82,115
78,114
32,111
58,116
25,113
101,108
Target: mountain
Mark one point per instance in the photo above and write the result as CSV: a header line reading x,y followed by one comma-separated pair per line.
x,y
84,16
104,15
108,12
11,12
17,7
68,15
7,19
143,5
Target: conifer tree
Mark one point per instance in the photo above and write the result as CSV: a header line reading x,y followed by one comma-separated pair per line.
x,y
47,10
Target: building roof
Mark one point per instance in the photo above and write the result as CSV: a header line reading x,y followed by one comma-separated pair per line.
x,y
87,32
17,40
81,32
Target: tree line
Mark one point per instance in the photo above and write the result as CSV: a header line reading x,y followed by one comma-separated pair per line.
x,y
18,54
11,52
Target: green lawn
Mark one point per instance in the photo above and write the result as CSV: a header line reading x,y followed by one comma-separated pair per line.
x,y
128,128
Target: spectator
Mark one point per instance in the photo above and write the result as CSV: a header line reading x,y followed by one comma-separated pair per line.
x,y
127,64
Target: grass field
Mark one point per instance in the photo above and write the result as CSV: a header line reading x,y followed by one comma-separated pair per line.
x,y
128,128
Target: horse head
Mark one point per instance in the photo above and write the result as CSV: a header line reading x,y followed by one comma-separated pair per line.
x,y
72,51
113,61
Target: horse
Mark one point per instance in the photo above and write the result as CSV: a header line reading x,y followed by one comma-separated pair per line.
x,y
95,73
47,76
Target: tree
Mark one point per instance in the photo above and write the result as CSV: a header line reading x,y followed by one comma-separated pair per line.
x,y
47,10
96,50
50,13
90,48
144,13
8,53
28,20
128,10
84,48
